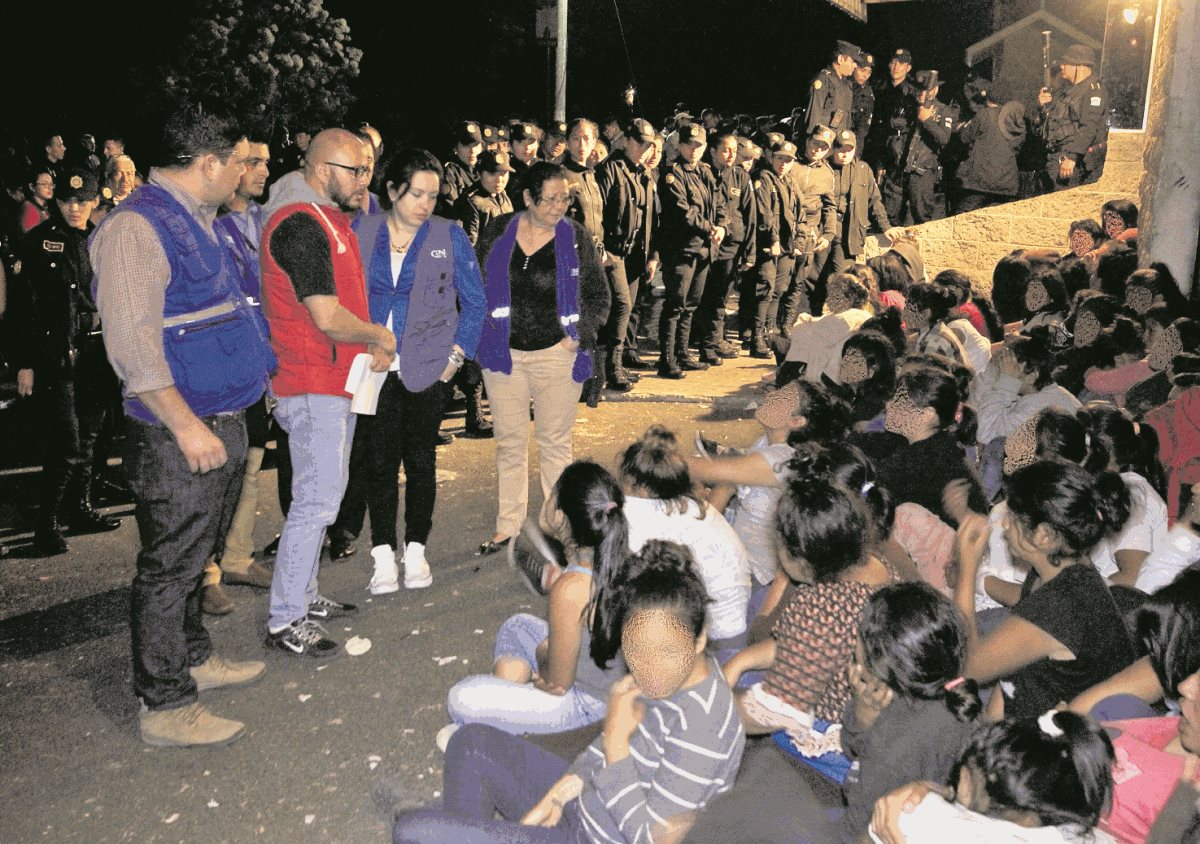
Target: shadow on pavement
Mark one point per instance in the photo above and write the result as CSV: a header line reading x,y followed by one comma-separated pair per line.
x,y
62,625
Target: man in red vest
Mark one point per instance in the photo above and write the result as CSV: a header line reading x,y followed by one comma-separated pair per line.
x,y
315,299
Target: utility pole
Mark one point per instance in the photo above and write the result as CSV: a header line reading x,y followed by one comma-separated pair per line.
x,y
560,69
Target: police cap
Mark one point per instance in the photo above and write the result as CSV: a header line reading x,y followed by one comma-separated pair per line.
x,y
845,140
494,162
1079,54
77,183
864,59
468,133
639,130
489,134
556,129
690,133
926,80
845,48
903,54
523,132
782,147
502,133
822,133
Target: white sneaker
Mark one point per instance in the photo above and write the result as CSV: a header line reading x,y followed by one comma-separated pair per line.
x,y
443,736
416,570
386,578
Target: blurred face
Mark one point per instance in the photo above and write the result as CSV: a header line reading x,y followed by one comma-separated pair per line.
x,y
468,154
581,143
254,180
638,152
815,150
1165,345
837,301
1020,447
1113,223
526,149
655,155
903,416
862,74
782,164
76,211
929,96
898,70
725,153
843,156
1138,299
1081,242
43,187
1036,297
416,205
56,149
556,147
548,210
693,151
303,139
914,319
1087,329
1189,712
493,183
124,180
223,177
88,143
659,650
853,368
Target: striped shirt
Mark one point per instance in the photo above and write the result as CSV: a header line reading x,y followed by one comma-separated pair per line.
x,y
684,753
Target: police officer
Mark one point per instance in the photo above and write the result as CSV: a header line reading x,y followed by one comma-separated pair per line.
x,y
59,357
1074,123
859,205
909,191
816,225
693,226
735,254
460,167
524,139
554,142
776,206
487,197
830,98
627,216
864,95
895,108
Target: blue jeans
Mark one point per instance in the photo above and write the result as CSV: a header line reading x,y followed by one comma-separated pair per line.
x,y
488,771
521,707
320,429
182,517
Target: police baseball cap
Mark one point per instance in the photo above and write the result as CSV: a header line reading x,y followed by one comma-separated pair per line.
x,y
77,183
691,132
639,130
823,134
774,138
557,129
783,147
468,133
926,80
502,134
902,55
845,140
524,132
845,48
494,162
1079,54
864,59
489,134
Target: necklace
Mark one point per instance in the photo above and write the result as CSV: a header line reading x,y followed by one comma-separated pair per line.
x,y
394,236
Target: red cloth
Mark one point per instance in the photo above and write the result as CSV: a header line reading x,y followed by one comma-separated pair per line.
x,y
32,215
974,316
1177,424
309,361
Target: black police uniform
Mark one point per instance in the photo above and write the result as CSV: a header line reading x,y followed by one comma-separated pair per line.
x,y
830,102
55,331
692,208
1075,126
458,179
895,112
735,253
862,110
475,208
910,189
859,205
775,226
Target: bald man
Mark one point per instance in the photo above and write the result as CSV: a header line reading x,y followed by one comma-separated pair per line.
x,y
316,302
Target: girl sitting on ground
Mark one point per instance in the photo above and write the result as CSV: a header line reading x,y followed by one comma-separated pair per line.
x,y
1045,302
815,343
866,378
966,320
671,741
926,311
1118,362
544,678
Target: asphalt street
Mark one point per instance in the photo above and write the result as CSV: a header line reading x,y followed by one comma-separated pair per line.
x,y
331,748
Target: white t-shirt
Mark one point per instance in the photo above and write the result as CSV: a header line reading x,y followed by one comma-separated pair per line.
x,y
936,820
397,264
754,521
718,552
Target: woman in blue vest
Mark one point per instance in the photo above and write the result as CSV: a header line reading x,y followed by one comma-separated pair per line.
x,y
547,296
423,283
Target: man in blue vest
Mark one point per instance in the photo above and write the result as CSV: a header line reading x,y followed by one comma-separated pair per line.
x,y
192,357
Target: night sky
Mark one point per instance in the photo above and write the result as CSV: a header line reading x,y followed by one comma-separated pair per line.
x,y
427,66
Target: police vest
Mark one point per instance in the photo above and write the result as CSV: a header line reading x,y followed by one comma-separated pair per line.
x,y
218,355
430,316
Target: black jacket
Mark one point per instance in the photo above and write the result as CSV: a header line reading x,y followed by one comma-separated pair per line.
x,y
864,205
691,208
775,219
587,208
737,193
992,138
628,206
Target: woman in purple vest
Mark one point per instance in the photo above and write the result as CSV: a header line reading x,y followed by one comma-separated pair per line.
x,y
547,296
423,283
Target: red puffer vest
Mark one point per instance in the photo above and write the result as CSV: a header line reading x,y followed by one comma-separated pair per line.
x,y
309,361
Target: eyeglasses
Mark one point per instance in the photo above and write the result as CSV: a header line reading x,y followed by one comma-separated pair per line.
x,y
561,199
360,173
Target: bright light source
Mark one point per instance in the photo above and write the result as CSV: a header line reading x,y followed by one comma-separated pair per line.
x,y
1130,13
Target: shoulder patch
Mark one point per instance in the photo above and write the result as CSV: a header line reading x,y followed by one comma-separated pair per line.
x,y
1095,102
757,185
52,246
670,179
817,84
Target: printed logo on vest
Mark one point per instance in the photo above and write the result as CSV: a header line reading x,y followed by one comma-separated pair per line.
x,y
437,253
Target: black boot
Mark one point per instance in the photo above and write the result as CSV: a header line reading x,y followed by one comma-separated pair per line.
x,y
618,379
85,518
48,540
631,360
478,427
47,536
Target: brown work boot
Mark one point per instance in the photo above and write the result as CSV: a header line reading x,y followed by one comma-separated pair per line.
x,y
216,672
256,574
215,601
187,726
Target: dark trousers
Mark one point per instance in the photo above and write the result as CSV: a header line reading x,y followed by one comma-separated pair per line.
x,y
485,772
709,329
402,432
181,517
283,467
685,276
785,292
624,278
910,195
839,261
758,288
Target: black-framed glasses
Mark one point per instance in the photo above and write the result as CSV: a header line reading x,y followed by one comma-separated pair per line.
x,y
360,173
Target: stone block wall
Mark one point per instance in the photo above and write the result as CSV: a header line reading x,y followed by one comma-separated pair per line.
x,y
974,242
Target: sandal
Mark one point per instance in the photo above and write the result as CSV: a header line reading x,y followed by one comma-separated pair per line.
x,y
492,546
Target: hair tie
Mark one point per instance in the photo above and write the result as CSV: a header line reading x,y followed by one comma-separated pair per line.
x,y
610,506
958,413
1046,724
954,684
866,487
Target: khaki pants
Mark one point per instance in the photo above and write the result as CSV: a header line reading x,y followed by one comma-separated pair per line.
x,y
545,378
239,542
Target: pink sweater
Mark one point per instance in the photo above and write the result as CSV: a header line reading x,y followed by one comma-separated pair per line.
x,y
1117,381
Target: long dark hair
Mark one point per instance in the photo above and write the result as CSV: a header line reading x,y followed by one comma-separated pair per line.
x,y
1168,628
1132,446
653,463
406,163
821,529
1081,508
930,385
872,394
915,640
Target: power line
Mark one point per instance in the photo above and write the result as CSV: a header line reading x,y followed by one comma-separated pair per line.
x,y
625,44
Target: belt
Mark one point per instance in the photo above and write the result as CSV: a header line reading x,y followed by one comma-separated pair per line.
x,y
199,316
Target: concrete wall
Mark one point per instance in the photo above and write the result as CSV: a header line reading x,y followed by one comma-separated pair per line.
x,y
974,242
